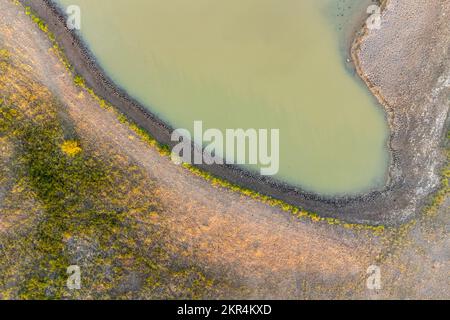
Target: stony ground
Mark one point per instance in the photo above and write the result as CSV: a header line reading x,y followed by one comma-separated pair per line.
x,y
231,245
413,44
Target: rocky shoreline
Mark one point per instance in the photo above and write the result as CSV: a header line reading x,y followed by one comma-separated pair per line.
x,y
406,64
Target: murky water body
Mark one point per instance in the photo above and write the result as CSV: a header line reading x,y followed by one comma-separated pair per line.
x,y
250,64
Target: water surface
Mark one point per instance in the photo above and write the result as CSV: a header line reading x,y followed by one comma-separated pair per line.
x,y
249,64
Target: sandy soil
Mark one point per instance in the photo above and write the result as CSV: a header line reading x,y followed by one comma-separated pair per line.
x,y
269,252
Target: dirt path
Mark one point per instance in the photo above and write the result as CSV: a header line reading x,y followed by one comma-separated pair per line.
x,y
271,253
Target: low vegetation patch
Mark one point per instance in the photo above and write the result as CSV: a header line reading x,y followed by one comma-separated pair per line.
x,y
95,209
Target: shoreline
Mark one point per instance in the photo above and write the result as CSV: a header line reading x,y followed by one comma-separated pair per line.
x,y
389,206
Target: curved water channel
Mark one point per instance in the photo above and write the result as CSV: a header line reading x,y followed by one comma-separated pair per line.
x,y
259,64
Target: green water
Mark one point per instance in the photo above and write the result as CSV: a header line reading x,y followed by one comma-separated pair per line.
x,y
249,64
